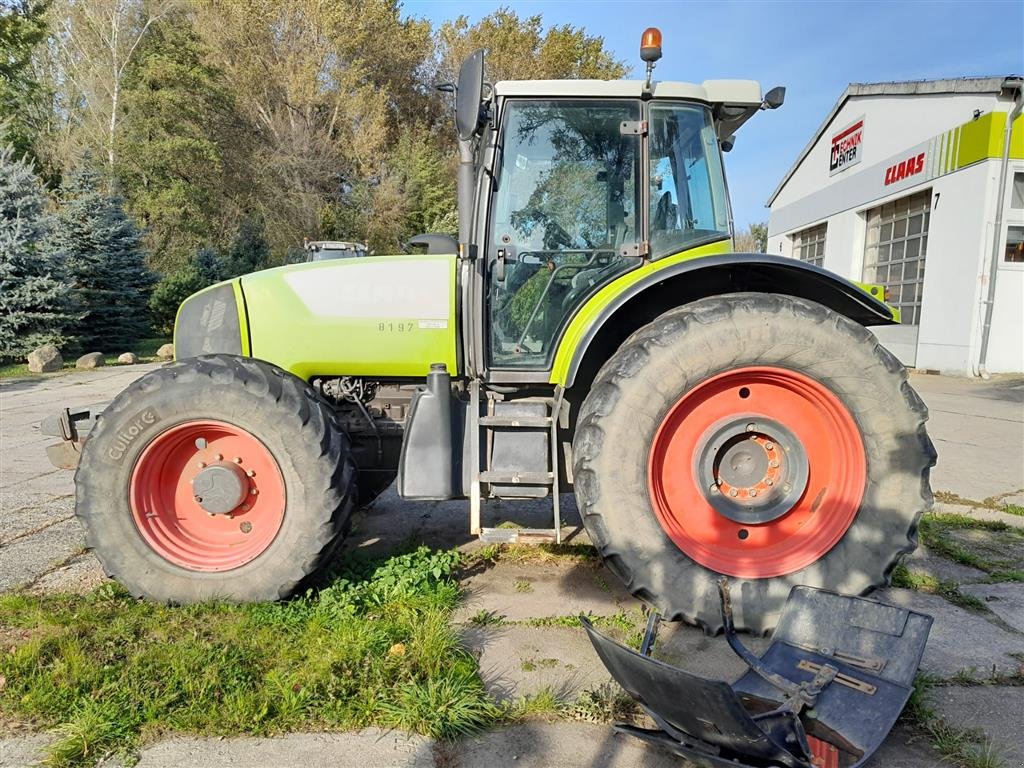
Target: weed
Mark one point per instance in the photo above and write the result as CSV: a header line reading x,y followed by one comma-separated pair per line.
x,y
523,586
484,618
545,702
1013,509
935,530
606,703
537,553
375,647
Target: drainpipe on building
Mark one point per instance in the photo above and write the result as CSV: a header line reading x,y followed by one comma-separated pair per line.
x,y
1013,85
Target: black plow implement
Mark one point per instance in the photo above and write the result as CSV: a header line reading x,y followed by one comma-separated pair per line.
x,y
825,694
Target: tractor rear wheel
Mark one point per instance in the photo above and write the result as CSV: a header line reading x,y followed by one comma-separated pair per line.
x,y
215,477
759,436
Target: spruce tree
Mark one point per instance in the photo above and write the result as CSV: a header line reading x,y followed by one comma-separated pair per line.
x,y
33,300
106,266
250,250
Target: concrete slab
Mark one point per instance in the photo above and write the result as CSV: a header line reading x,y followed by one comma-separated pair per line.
x,y
980,513
924,561
1004,600
905,748
976,426
22,751
519,661
689,648
25,559
517,592
560,745
960,640
995,709
371,748
82,574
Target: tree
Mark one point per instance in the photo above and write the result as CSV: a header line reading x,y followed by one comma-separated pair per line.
x,y
22,29
249,250
96,41
520,49
170,292
106,266
179,143
210,265
33,299
753,240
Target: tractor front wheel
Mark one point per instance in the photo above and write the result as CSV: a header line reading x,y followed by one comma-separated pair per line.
x,y
215,477
759,436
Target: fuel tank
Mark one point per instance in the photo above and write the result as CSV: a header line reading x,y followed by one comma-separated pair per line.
x,y
378,316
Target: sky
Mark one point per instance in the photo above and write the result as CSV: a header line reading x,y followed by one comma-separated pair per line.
x,y
813,48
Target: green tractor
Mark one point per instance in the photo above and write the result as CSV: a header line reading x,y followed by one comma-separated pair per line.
x,y
591,329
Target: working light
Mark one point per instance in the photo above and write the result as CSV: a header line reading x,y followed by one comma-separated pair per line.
x,y
650,45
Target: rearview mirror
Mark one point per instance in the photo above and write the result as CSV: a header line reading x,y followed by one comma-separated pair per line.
x,y
774,98
469,95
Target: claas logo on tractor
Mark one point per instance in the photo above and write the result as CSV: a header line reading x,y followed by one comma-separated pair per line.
x,y
592,330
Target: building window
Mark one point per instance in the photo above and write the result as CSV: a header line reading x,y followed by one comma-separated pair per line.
x,y
809,244
894,251
1014,245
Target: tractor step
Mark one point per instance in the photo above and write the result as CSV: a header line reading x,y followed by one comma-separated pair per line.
x,y
520,422
519,535
517,478
507,456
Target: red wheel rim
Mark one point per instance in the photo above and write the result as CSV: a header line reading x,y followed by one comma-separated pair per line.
x,y
806,426
167,509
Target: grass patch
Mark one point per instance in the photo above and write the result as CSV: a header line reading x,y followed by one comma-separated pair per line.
x,y
145,349
922,582
1013,509
999,556
376,647
523,586
604,704
964,747
536,553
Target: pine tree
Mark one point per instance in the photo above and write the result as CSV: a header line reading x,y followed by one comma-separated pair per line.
x,y
33,300
106,267
250,250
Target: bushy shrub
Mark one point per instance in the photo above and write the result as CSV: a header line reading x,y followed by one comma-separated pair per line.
x,y
170,292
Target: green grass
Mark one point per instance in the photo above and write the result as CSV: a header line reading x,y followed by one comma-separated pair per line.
x,y
145,349
963,747
1013,509
935,532
375,647
921,582
537,553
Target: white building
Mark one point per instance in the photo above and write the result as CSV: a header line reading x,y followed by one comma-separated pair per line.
x,y
901,186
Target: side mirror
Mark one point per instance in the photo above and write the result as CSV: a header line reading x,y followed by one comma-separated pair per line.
x,y
469,95
729,142
774,98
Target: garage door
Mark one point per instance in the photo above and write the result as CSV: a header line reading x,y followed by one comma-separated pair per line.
x,y
894,255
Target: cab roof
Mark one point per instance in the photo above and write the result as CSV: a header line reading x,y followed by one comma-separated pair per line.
x,y
732,92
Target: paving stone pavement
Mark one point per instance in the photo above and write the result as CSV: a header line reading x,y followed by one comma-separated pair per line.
x,y
976,426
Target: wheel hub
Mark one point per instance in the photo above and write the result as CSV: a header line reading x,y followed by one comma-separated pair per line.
x,y
220,488
752,469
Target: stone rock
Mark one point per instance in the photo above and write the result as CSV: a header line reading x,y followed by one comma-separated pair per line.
x,y
90,360
45,359
166,352
128,358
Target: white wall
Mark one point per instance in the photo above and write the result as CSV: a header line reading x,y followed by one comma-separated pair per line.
x,y
891,124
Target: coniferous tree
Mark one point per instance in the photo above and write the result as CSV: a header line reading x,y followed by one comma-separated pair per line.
x,y
250,250
33,300
106,266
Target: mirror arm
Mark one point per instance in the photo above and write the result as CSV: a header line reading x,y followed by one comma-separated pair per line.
x,y
465,196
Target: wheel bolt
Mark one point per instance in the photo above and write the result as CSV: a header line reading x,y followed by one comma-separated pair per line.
x,y
237,459
254,491
713,489
753,493
733,492
773,463
751,427
202,464
769,446
245,526
769,481
251,473
245,507
218,457
785,488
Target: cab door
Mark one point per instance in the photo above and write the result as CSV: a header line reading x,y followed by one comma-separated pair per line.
x,y
565,218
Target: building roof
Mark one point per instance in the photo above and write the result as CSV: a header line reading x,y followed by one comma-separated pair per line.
x,y
895,88
733,92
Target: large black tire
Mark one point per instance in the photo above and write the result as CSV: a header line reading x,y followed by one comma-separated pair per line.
x,y
641,382
281,411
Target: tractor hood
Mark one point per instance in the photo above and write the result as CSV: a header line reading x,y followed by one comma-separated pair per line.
x,y
381,316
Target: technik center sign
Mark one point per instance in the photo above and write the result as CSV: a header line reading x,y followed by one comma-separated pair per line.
x,y
846,147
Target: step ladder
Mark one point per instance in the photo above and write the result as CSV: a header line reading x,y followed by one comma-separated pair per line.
x,y
482,428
